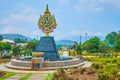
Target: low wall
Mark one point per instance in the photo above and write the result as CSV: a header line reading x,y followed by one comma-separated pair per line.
x,y
46,64
61,63
20,63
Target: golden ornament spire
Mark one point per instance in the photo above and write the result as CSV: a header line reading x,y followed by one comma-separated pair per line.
x,y
47,22
47,10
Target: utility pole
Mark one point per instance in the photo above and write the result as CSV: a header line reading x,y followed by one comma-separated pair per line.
x,y
37,37
80,44
86,36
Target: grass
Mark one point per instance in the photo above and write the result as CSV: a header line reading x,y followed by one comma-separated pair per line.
x,y
26,76
49,77
9,74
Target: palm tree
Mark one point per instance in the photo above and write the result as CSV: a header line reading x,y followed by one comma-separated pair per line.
x,y
78,48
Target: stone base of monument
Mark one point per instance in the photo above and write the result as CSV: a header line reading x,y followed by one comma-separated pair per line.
x,y
47,65
48,46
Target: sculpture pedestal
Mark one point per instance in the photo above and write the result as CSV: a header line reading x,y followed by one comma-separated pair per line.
x,y
48,46
37,62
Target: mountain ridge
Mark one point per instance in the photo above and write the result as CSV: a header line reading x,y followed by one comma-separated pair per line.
x,y
13,36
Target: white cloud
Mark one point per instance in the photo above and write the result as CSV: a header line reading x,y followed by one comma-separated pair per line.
x,y
75,33
78,33
58,35
36,33
13,29
96,5
88,5
112,3
27,15
16,22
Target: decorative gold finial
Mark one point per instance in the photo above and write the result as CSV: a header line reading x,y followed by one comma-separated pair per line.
x,y
47,22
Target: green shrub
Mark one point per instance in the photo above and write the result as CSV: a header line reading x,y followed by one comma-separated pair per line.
x,y
104,76
97,65
82,70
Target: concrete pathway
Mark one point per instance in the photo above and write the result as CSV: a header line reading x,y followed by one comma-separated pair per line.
x,y
87,64
16,77
38,77
3,68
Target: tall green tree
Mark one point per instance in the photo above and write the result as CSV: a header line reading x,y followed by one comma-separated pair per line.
x,y
1,37
111,38
91,45
117,45
103,48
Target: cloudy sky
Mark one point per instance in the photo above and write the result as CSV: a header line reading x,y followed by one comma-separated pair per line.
x,y
74,17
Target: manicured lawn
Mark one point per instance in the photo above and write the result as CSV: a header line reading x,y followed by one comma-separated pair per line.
x,y
7,75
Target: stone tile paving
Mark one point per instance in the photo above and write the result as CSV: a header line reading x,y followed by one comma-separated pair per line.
x,y
38,77
2,67
87,64
16,77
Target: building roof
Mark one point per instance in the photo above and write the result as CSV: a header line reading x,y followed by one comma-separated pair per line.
x,y
8,40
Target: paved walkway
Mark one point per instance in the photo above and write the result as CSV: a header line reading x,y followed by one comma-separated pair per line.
x,y
2,67
38,75
35,76
87,64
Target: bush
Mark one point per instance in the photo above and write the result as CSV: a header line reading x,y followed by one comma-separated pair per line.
x,y
104,76
97,65
82,70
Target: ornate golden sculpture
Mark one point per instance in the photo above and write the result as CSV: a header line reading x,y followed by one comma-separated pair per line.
x,y
47,22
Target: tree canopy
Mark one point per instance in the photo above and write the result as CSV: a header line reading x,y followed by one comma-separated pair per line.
x,y
32,44
19,40
111,38
1,37
92,45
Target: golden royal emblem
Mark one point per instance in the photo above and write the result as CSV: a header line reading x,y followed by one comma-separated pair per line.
x,y
47,22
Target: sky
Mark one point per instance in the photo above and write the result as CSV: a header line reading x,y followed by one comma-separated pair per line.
x,y
74,17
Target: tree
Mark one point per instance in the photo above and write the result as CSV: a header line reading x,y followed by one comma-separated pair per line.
x,y
1,48
91,45
111,38
4,46
19,40
32,44
16,51
103,47
1,37
7,46
78,48
117,45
